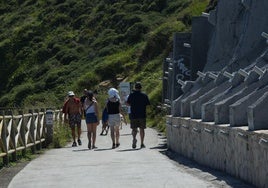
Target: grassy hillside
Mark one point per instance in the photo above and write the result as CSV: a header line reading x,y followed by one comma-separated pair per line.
x,y
48,47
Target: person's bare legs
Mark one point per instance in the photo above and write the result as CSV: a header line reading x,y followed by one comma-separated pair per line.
x,y
142,134
94,133
89,135
134,134
73,133
78,131
117,135
112,136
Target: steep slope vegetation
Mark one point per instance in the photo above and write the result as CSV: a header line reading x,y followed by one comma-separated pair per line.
x,y
48,47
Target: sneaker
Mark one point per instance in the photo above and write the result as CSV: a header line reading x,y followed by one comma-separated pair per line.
x,y
74,144
79,142
142,146
134,142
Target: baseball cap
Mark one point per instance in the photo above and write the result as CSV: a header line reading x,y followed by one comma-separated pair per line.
x,y
138,85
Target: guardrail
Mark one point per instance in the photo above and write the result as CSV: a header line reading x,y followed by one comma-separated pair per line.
x,y
29,130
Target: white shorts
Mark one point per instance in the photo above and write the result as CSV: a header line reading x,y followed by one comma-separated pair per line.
x,y
114,120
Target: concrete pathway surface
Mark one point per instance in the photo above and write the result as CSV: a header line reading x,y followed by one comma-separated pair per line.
x,y
105,167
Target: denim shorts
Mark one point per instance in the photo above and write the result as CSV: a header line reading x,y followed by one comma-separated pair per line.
x,y
91,118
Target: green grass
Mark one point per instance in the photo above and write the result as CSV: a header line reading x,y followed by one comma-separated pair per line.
x,y
50,47
61,135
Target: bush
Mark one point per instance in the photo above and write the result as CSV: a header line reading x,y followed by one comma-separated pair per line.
x,y
61,135
158,41
21,92
88,80
135,33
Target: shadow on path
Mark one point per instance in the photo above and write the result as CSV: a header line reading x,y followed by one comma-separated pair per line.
x,y
218,178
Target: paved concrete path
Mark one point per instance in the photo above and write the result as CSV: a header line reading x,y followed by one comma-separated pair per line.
x,y
122,167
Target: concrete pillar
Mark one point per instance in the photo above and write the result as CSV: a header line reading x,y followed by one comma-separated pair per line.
x,y
256,89
181,62
207,84
221,113
221,84
200,40
176,104
208,108
257,116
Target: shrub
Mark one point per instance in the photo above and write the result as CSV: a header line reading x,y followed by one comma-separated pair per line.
x,y
21,92
135,33
88,80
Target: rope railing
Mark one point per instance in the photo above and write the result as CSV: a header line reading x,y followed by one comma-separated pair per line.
x,y
23,131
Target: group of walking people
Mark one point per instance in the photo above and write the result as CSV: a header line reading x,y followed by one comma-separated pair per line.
x,y
75,108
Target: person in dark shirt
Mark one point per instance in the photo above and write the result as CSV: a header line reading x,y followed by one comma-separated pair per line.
x,y
138,101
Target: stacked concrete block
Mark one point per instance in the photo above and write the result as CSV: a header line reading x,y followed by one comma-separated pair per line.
x,y
234,150
207,84
259,151
188,88
221,84
208,108
221,112
238,110
257,115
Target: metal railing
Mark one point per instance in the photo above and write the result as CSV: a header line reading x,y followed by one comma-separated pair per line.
x,y
19,132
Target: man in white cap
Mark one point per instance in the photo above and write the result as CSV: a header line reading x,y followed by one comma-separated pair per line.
x,y
72,114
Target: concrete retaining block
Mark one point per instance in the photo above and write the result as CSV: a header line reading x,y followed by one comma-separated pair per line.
x,y
176,104
195,105
240,107
207,109
257,116
235,150
208,84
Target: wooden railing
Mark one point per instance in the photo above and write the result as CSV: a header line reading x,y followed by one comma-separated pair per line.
x,y
29,130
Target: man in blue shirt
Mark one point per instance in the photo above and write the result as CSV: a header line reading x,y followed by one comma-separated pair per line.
x,y
138,101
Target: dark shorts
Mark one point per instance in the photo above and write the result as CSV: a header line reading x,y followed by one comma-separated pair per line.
x,y
91,118
75,120
138,123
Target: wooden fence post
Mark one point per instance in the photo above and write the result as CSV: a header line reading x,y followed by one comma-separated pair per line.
x,y
12,135
32,131
23,132
4,139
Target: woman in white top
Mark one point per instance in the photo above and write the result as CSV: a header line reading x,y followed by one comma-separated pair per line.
x,y
92,118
